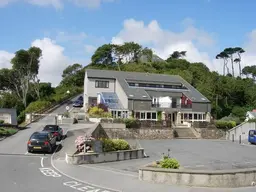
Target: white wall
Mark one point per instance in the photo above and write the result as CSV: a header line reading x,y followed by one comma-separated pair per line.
x,y
92,90
242,129
85,90
121,95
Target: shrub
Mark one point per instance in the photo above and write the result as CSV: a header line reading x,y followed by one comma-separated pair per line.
x,y
1,121
130,123
103,107
37,106
21,117
114,145
98,112
108,145
80,143
169,163
225,124
121,144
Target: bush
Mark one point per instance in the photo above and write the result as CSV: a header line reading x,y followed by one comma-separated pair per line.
x,y
130,123
37,106
169,163
114,145
121,144
21,117
1,121
225,124
97,112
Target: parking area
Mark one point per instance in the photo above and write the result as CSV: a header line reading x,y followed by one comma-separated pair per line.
x,y
193,154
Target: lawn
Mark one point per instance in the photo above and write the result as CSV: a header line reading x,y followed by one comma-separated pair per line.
x,y
6,131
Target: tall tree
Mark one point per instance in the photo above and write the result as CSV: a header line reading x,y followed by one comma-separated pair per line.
x,y
177,55
230,52
239,51
224,56
73,75
103,55
25,67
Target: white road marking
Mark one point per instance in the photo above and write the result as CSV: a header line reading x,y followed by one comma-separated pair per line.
x,y
108,170
78,180
49,172
26,153
42,162
82,187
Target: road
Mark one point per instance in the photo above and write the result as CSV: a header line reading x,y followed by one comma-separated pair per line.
x,y
23,172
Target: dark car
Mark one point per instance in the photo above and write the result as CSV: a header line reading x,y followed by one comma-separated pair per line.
x,y
41,141
78,103
55,130
80,98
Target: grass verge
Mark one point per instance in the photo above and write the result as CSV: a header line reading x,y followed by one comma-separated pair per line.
x,y
6,131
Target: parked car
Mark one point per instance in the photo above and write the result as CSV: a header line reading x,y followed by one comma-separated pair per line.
x,y
78,103
41,141
80,98
55,130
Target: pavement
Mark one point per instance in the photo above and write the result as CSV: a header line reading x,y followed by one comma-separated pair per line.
x,y
23,172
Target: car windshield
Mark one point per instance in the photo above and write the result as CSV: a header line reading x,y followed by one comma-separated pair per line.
x,y
50,128
41,137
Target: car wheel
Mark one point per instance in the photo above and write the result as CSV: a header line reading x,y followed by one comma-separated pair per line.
x,y
50,149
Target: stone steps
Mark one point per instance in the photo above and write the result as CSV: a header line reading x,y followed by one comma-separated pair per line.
x,y
184,133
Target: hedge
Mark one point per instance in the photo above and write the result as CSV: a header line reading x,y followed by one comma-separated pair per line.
x,y
225,124
114,145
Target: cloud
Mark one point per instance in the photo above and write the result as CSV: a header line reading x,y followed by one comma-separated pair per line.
x,y
59,4
164,42
5,58
90,48
53,60
52,64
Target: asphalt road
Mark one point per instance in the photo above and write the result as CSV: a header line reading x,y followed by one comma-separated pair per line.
x,y
23,172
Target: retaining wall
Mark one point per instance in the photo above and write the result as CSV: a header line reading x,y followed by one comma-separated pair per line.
x,y
199,178
88,158
139,133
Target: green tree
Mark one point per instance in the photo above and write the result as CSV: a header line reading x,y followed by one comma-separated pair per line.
x,y
224,56
103,55
25,67
239,51
73,75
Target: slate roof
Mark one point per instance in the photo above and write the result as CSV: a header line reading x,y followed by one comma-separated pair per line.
x,y
141,93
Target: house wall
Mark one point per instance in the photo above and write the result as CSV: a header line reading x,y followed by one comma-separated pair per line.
x,y
86,99
121,95
201,107
8,116
141,105
242,129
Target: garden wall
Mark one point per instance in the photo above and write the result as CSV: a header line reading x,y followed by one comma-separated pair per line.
x,y
88,158
139,133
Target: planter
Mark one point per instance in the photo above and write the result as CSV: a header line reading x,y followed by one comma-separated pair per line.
x,y
88,158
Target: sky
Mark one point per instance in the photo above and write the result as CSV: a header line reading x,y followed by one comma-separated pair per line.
x,y
69,31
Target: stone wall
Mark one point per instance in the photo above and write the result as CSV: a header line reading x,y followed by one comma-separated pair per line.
x,y
210,133
140,133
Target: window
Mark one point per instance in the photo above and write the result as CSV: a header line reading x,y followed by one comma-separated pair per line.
x,y
190,116
102,84
204,116
154,115
195,116
142,115
148,115
200,116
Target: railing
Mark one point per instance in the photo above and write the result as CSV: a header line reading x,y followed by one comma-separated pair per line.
x,y
171,105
